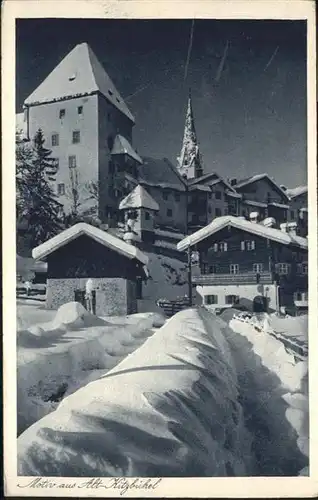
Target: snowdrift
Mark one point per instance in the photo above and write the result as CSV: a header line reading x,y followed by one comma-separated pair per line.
x,y
73,348
168,409
274,395
70,316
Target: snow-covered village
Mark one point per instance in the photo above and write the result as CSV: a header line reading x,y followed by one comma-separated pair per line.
x,y
162,299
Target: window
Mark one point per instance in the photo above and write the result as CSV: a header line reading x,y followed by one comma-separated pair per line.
x,y
302,268
234,268
292,214
223,246
210,299
300,296
258,268
218,212
72,161
297,296
147,216
55,139
62,113
165,195
76,137
111,167
61,189
80,110
282,268
232,299
209,209
218,195
210,196
204,268
169,212
177,196
110,142
213,269
248,245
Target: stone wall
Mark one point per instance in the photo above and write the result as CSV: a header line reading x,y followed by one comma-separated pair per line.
x,y
114,296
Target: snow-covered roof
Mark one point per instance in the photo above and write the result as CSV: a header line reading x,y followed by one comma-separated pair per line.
x,y
169,234
138,198
200,187
258,177
250,227
122,146
79,73
102,237
254,203
279,205
215,179
160,173
297,191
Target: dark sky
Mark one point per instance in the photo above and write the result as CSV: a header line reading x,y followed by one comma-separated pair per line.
x,y
250,120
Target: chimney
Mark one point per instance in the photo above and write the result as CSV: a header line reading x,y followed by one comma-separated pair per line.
x,y
284,227
284,188
233,182
254,217
269,222
292,228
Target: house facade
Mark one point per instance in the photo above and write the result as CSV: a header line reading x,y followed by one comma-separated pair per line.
x,y
80,113
83,253
248,264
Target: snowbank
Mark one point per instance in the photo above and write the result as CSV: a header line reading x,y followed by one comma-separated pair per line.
x,y
168,278
274,395
168,409
51,365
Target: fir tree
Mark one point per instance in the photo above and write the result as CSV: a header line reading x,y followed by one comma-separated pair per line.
x,y
36,200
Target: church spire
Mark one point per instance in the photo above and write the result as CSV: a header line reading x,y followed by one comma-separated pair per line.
x,y
189,161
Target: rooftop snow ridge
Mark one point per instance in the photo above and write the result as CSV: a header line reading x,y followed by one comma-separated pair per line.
x,y
102,237
245,225
79,73
297,191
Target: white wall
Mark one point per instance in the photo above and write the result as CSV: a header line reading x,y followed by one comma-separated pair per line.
x,y
245,292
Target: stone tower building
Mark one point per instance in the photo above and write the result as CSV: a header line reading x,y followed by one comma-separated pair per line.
x,y
81,114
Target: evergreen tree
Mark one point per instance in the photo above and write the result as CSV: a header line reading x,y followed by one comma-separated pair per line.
x,y
36,200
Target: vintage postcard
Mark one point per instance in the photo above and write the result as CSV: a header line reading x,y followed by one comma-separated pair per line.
x,y
160,248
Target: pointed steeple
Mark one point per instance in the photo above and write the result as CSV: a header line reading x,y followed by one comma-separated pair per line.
x,y
189,161
79,73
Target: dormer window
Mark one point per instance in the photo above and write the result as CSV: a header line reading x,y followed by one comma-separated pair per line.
x,y
62,113
72,77
110,92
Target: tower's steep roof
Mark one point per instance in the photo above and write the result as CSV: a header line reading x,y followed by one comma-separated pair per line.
x,y
138,198
79,73
122,146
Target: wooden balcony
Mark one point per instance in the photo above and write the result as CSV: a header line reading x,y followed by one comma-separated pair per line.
x,y
233,279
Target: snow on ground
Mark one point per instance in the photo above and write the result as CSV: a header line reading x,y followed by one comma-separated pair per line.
x,y
32,311
168,409
292,326
57,357
274,393
168,278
